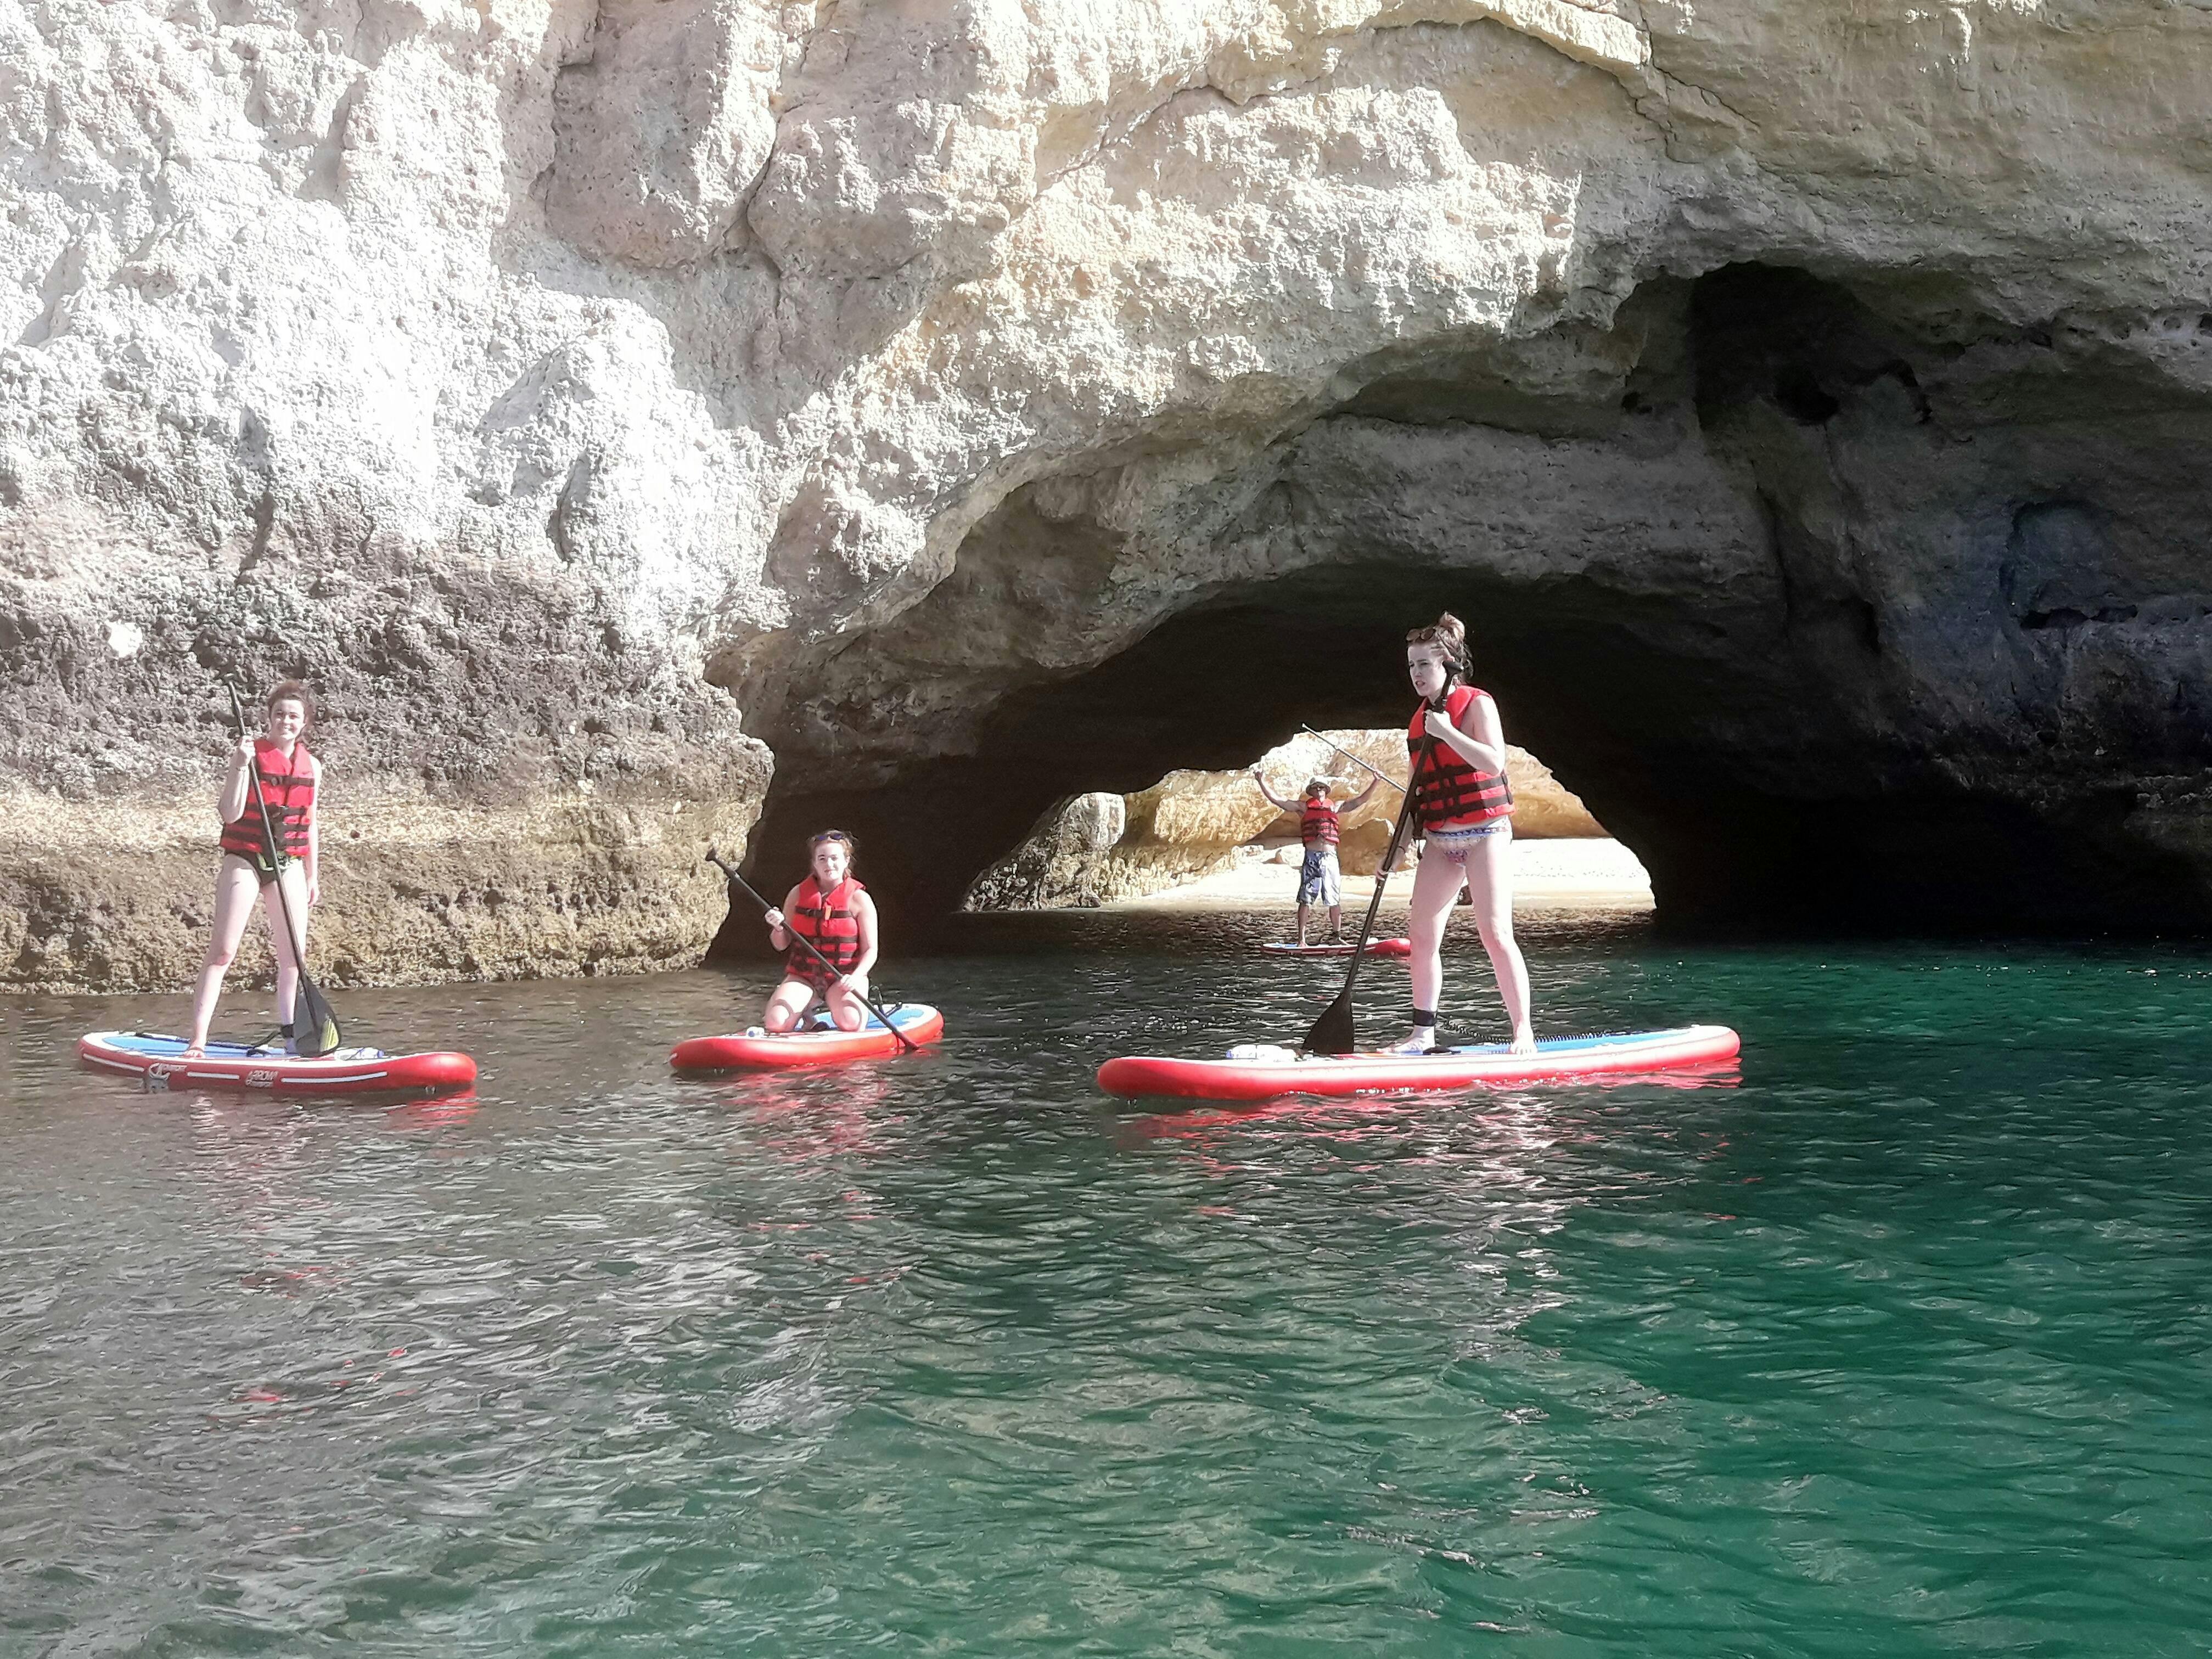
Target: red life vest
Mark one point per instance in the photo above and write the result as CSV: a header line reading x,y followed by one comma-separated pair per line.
x,y
1446,789
1318,822
284,799
832,922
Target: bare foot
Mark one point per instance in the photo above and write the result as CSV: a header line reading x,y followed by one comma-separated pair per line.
x,y
1524,1044
193,1051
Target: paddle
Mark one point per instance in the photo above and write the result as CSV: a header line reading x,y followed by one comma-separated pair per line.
x,y
744,887
314,1027
1333,1033
1380,777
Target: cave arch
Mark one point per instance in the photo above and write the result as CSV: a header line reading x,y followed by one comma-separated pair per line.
x,y
1745,565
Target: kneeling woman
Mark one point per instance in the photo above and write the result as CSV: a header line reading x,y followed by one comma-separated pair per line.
x,y
833,913
284,806
1464,807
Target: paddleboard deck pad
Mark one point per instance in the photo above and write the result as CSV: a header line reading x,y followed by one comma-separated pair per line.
x,y
815,1046
1261,1073
1375,947
159,1063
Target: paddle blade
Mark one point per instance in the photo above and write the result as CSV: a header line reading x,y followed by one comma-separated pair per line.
x,y
1333,1033
314,1027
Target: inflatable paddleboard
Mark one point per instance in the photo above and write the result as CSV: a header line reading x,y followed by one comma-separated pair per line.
x,y
815,1046
1375,947
158,1062
1261,1073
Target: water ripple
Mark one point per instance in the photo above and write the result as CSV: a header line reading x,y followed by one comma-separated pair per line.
x,y
1901,1346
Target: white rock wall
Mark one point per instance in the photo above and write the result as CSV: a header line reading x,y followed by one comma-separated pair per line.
x,y
716,327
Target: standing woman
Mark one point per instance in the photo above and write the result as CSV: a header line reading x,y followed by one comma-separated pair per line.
x,y
835,915
286,803
1464,807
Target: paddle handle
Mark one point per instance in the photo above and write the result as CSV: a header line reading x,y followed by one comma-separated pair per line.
x,y
1380,777
745,887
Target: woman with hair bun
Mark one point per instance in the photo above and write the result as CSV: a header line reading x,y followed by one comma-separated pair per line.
x,y
1464,807
282,807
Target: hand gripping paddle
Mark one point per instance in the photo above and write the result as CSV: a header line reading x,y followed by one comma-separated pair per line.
x,y
1333,1033
314,1027
738,882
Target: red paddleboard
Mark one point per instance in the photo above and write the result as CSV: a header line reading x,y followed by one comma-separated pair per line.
x,y
159,1063
919,1022
1375,947
1261,1073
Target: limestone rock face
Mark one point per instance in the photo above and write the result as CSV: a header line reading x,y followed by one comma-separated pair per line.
x,y
1544,809
1061,862
289,392
989,404
1090,849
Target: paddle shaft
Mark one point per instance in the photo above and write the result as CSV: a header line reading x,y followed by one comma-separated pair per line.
x,y
1339,1012
1380,777
745,887
308,991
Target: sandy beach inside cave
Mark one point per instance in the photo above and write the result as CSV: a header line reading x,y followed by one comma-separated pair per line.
x,y
1548,875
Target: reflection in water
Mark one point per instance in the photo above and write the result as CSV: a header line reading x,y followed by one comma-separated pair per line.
x,y
435,1112
1330,1114
816,1113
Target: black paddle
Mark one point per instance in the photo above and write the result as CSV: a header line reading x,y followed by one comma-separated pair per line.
x,y
1332,1032
314,1027
744,887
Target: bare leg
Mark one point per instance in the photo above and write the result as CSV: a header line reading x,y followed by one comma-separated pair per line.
x,y
789,1004
1336,921
1489,879
234,887
1436,887
846,1007
1301,916
280,937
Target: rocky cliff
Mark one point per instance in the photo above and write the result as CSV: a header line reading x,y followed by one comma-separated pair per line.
x,y
978,404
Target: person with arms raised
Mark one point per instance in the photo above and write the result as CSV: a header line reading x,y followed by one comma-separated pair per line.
x,y
1321,877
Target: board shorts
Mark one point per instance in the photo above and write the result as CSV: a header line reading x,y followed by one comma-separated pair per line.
x,y
1320,879
1454,844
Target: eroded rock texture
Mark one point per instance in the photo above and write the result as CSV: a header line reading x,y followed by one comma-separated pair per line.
x,y
1804,405
1093,848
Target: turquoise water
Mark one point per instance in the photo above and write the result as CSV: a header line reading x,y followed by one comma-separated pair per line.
x,y
1899,1345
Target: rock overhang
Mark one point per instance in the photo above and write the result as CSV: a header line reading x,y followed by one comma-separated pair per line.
x,y
294,297
1787,577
